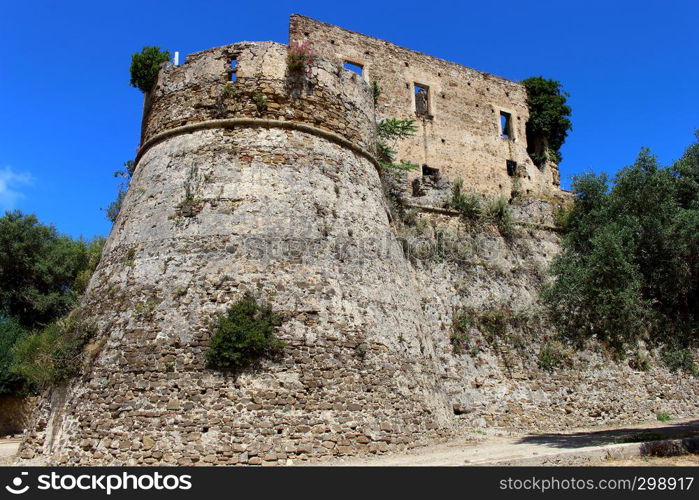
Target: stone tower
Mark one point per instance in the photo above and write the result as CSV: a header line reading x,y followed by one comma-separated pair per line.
x,y
250,179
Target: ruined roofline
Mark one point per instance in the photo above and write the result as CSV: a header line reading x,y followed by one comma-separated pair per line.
x,y
417,52
241,43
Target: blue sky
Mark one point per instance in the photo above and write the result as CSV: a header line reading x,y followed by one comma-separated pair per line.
x,y
68,118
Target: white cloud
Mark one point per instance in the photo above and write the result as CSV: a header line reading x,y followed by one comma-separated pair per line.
x,y
10,182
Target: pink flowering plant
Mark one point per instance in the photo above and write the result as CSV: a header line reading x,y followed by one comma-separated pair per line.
x,y
300,58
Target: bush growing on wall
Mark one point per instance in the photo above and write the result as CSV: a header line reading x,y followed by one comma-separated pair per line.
x,y
549,122
467,204
472,210
300,57
389,132
145,66
126,173
244,334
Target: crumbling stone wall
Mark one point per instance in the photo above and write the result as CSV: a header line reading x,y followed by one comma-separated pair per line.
x,y
497,382
283,212
461,136
202,90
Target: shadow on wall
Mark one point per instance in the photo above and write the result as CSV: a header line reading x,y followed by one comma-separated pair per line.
x,y
15,413
614,436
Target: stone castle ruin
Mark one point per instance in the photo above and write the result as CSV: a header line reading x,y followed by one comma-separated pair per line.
x,y
253,179
471,125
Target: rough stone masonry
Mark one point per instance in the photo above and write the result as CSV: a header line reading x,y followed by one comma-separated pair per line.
x,y
251,178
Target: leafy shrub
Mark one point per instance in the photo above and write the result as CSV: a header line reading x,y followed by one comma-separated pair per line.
x,y
93,254
145,67
53,354
679,359
551,356
390,131
501,213
300,57
245,333
11,332
561,214
38,270
467,204
629,268
549,123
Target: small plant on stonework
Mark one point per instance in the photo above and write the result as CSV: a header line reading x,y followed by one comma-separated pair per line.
x,y
229,91
639,362
389,132
663,417
243,335
360,350
501,214
260,101
145,67
467,204
460,337
376,91
130,256
551,357
300,58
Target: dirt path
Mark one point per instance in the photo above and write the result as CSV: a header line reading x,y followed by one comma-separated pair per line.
x,y
8,450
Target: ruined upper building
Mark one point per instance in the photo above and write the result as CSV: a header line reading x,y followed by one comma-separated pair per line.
x,y
471,125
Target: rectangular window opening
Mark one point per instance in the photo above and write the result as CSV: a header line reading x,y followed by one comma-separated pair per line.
x,y
429,171
234,70
354,67
422,99
505,125
511,168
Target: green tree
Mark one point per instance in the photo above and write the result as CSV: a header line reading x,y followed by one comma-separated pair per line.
x,y
42,274
11,332
145,66
629,269
549,122
38,268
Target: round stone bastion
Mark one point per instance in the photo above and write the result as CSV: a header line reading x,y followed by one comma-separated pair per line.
x,y
251,178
